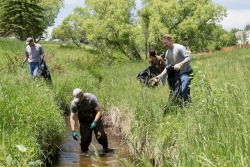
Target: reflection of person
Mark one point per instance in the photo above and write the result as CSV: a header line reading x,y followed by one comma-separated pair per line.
x,y
158,62
33,53
85,106
178,56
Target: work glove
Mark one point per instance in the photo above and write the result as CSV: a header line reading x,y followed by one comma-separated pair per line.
x,y
93,125
177,66
75,135
154,81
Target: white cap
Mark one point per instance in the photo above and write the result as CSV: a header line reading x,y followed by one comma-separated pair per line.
x,y
29,40
77,93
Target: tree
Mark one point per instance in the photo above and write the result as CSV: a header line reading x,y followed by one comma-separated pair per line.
x,y
191,21
25,18
110,26
107,24
72,27
247,27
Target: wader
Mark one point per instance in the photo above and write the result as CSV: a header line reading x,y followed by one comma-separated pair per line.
x,y
85,119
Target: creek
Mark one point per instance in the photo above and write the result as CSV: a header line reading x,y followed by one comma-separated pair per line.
x,y
70,152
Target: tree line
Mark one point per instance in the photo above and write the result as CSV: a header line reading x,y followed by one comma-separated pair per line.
x,y
27,18
117,26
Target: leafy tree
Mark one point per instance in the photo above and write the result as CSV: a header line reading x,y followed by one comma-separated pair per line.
x,y
247,28
190,22
25,18
72,27
110,26
107,24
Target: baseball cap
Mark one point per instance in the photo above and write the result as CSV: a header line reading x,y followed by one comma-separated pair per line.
x,y
29,40
77,93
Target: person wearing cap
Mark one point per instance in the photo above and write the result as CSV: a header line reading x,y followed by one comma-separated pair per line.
x,y
85,107
33,53
178,56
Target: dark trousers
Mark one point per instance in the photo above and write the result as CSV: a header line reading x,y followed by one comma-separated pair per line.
x,y
86,136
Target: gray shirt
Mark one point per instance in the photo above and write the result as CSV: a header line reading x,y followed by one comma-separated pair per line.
x,y
178,54
34,53
90,102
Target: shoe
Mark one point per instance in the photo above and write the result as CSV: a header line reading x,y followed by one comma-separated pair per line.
x,y
85,154
108,150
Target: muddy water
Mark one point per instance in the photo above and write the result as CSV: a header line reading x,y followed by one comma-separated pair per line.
x,y
70,151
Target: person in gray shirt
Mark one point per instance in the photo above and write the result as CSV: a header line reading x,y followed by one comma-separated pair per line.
x,y
85,107
33,53
179,58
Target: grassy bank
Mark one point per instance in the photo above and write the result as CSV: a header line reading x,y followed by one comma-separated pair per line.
x,y
212,131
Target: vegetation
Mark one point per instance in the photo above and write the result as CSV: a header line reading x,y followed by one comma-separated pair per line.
x,y
212,131
114,25
25,18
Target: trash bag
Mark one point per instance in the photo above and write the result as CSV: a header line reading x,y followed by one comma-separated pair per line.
x,y
174,82
44,71
145,76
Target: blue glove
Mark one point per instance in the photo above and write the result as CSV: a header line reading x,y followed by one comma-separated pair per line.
x,y
93,125
75,135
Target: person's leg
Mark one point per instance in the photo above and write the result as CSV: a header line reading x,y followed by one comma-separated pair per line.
x,y
185,89
86,136
101,136
31,68
36,67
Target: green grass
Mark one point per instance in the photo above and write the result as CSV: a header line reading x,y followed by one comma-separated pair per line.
x,y
212,131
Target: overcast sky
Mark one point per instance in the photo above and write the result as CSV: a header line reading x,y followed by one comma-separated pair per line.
x,y
238,12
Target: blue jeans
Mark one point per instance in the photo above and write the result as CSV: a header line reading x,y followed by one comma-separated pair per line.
x,y
185,83
33,67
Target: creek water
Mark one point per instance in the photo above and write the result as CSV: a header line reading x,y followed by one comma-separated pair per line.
x,y
70,152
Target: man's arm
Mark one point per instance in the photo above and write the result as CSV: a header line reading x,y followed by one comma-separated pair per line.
x,y
73,118
162,73
98,114
186,59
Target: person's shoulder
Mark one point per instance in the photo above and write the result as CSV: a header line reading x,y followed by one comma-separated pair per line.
x,y
73,104
89,95
159,58
38,45
179,46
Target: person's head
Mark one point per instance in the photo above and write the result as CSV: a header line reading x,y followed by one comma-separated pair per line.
x,y
167,40
152,54
29,41
77,95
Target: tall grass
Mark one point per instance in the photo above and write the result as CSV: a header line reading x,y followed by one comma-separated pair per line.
x,y
212,131
31,122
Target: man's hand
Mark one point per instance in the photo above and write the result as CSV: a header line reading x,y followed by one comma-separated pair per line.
x,y
154,81
93,125
75,135
177,66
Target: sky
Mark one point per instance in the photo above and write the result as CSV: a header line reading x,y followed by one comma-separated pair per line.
x,y
238,12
